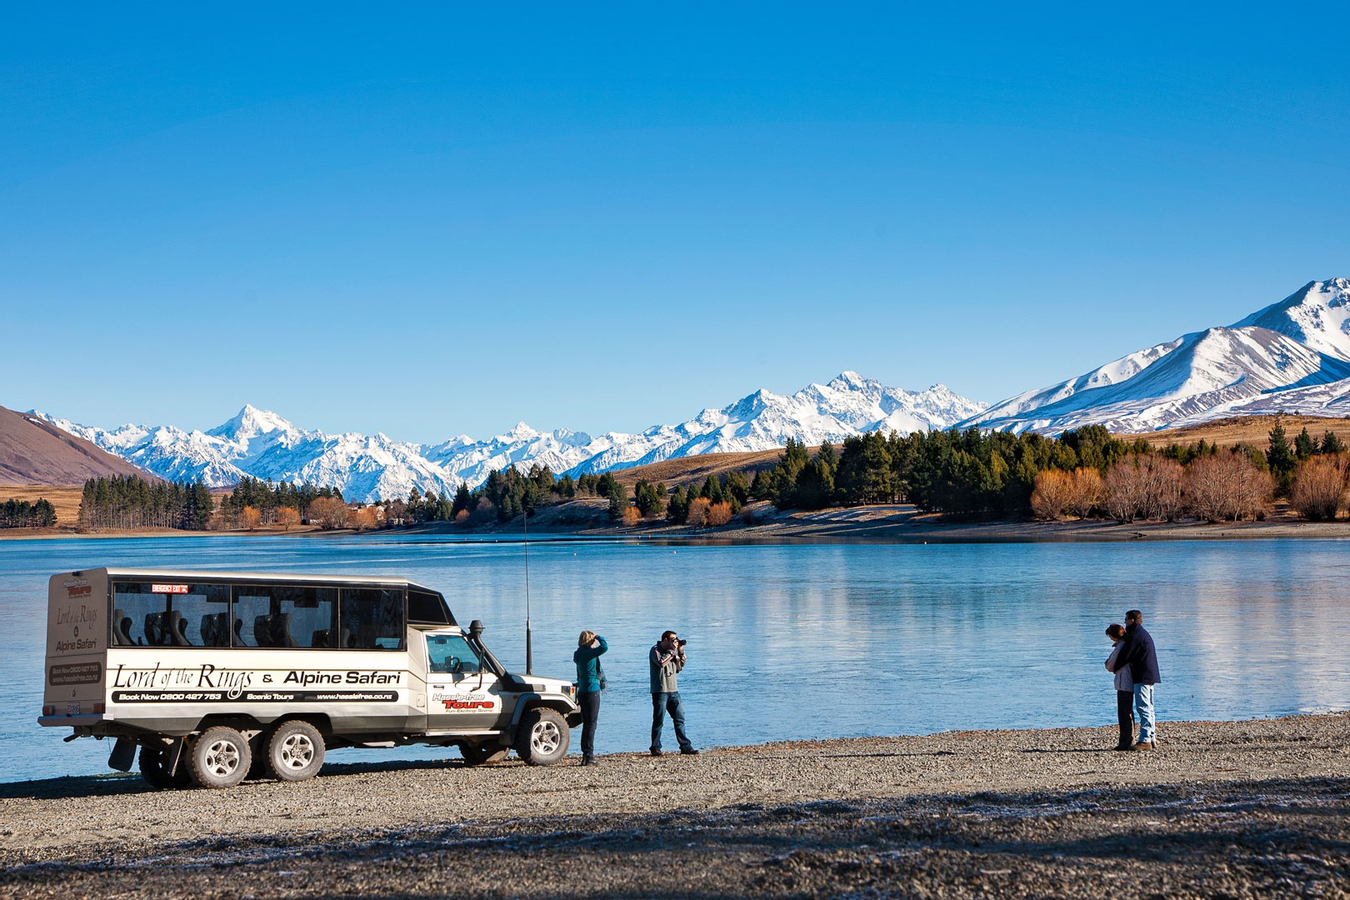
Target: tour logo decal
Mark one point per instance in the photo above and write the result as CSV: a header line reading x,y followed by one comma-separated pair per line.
x,y
454,702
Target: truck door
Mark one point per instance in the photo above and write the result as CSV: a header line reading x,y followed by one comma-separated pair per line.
x,y
463,694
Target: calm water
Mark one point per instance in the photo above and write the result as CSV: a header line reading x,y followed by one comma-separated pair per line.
x,y
789,642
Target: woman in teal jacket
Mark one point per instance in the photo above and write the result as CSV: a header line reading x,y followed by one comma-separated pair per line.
x,y
590,679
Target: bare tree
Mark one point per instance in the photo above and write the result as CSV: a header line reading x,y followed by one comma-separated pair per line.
x,y
249,518
1052,494
1087,490
719,514
1164,498
1126,490
1318,490
329,512
1227,486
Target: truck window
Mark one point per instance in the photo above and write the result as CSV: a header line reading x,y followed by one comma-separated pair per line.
x,y
169,614
428,608
451,654
374,618
287,615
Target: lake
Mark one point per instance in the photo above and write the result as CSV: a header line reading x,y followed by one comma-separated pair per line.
x,y
797,641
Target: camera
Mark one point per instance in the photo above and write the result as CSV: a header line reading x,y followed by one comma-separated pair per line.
x,y
681,642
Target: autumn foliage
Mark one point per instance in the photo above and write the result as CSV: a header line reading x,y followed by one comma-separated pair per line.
x,y
329,512
1318,489
719,514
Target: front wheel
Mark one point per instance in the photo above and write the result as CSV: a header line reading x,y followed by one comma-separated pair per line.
x,y
543,738
155,770
220,757
295,751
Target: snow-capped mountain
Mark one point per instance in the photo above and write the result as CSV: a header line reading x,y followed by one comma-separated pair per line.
x,y
1292,356
264,445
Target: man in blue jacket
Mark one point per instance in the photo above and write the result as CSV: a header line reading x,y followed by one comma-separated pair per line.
x,y
1138,653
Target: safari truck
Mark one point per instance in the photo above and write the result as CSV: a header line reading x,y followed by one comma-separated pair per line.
x,y
215,675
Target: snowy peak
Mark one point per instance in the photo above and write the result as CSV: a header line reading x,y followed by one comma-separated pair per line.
x,y
252,422
1292,355
1318,315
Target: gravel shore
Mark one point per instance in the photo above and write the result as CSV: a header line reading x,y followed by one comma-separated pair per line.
x,y
1231,809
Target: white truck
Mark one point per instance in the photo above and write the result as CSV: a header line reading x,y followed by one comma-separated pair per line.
x,y
214,675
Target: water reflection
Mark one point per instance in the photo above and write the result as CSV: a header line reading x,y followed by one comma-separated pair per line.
x,y
792,642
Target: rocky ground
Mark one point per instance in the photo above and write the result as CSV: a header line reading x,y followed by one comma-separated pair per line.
x,y
1219,810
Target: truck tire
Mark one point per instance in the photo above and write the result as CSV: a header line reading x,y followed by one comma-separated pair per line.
x,y
154,769
220,757
483,754
543,738
295,751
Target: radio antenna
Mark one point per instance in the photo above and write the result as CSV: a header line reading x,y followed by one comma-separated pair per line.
x,y
529,648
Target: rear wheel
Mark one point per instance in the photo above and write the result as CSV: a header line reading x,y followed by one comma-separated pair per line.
x,y
543,738
220,757
483,754
155,770
295,751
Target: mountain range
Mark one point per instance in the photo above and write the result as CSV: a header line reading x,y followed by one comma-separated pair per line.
x,y
264,445
1291,357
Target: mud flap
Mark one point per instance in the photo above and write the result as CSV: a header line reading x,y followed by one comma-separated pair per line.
x,y
175,752
123,755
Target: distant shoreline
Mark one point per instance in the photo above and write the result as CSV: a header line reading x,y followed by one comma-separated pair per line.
x,y
874,524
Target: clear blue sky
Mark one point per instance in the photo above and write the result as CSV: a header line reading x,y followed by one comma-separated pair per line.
x,y
437,222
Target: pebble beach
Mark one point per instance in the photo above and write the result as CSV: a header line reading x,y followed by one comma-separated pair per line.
x,y
1231,809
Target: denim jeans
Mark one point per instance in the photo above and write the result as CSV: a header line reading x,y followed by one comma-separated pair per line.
x,y
661,704
589,701
1143,711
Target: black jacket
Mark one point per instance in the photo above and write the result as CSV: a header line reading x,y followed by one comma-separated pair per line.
x,y
1138,653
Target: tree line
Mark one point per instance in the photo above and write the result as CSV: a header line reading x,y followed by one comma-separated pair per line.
x,y
254,503
22,514
128,501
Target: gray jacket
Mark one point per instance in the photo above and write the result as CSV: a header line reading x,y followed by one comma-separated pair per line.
x,y
665,666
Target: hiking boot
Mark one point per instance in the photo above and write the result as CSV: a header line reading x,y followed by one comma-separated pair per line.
x,y
655,752
689,751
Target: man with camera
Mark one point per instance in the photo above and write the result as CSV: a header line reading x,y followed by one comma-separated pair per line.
x,y
667,659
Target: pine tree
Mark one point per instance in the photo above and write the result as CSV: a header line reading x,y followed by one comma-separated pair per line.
x,y
1280,457
1304,446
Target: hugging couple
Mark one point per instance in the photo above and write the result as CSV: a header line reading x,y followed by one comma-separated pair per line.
x,y
1135,662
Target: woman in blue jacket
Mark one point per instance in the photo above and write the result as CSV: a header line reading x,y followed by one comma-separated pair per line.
x,y
590,679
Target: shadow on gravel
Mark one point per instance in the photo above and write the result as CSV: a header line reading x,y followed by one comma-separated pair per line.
x,y
74,786
113,784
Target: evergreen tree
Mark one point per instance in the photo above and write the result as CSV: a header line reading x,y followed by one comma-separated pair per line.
x,y
462,499
1304,445
677,508
618,499
650,500
1331,444
1280,457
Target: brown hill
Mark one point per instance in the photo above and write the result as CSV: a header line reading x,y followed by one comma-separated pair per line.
x,y
34,452
1254,430
689,469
